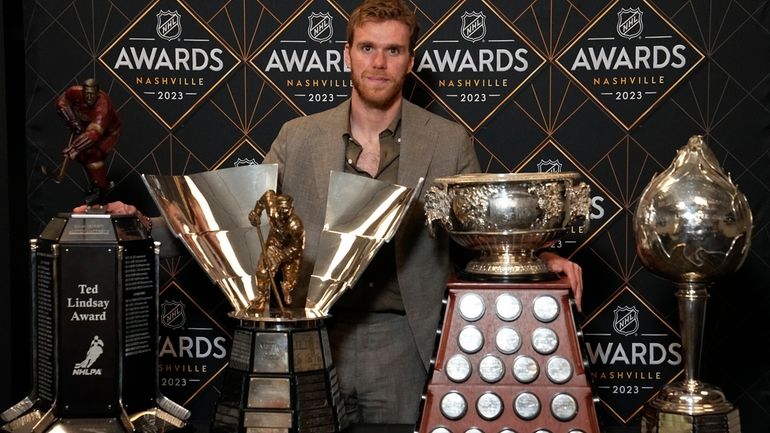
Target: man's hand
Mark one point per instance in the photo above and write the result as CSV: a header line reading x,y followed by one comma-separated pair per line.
x,y
572,270
114,208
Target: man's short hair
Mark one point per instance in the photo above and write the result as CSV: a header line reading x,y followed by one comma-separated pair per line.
x,y
384,10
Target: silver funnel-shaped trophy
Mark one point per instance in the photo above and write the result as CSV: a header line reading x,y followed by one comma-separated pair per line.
x,y
692,225
280,377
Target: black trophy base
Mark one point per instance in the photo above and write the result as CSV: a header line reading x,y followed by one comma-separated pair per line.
x,y
655,421
280,379
27,417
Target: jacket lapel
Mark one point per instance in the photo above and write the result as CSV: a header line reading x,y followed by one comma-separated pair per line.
x,y
418,141
329,149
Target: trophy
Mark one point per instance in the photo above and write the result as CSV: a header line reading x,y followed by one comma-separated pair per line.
x,y
280,377
691,226
505,218
508,357
94,331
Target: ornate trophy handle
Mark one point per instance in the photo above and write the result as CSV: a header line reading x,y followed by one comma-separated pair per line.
x,y
437,206
580,198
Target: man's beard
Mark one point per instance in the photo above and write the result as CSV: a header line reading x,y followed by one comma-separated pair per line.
x,y
382,98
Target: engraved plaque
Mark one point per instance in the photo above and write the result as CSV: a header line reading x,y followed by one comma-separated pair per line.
x,y
471,307
558,369
526,405
453,406
269,393
544,341
545,308
271,352
525,369
507,341
491,369
307,351
470,339
564,407
240,354
507,307
441,430
267,419
458,368
489,406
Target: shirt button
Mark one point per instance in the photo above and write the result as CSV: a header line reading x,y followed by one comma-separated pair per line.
x,y
350,161
371,284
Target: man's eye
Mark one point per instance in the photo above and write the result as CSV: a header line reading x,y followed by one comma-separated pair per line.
x,y
366,49
394,51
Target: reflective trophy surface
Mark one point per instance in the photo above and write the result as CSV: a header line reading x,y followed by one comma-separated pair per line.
x,y
692,225
505,218
94,331
281,377
509,355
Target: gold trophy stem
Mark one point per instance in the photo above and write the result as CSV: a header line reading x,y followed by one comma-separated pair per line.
x,y
692,298
272,277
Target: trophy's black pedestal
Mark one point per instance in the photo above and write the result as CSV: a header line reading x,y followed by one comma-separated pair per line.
x,y
95,331
508,359
280,379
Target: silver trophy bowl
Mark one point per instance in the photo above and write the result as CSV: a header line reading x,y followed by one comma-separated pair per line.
x,y
506,218
692,225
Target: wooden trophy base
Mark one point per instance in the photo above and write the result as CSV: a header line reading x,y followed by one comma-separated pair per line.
x,y
508,359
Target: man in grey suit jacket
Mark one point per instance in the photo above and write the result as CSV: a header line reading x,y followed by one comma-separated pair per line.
x,y
382,331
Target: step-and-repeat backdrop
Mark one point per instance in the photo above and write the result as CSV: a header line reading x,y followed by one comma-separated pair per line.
x,y
609,89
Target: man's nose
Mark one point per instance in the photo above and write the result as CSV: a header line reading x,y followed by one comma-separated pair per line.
x,y
380,59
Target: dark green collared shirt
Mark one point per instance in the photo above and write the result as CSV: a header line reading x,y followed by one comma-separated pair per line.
x,y
377,290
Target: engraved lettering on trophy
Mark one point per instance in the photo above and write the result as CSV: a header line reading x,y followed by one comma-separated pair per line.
x,y
87,304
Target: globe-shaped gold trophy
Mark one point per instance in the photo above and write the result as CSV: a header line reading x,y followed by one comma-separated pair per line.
x,y
280,376
692,225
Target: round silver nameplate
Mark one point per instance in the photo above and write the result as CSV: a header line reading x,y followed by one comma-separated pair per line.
x,y
564,407
544,341
453,406
491,369
526,405
470,339
473,430
558,369
441,430
507,307
489,406
471,307
525,369
507,430
458,368
545,308
507,340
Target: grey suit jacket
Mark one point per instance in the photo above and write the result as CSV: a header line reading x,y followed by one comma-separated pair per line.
x,y
308,148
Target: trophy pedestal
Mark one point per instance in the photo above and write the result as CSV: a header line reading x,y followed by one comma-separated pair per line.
x,y
280,379
508,359
95,331
694,409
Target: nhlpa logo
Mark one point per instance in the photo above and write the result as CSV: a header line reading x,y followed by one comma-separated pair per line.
x,y
169,25
240,162
626,320
95,350
474,26
172,314
550,166
320,27
630,23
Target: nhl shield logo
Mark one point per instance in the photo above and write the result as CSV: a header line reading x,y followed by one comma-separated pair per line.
x,y
240,162
474,26
630,23
320,27
169,25
172,314
626,320
550,166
